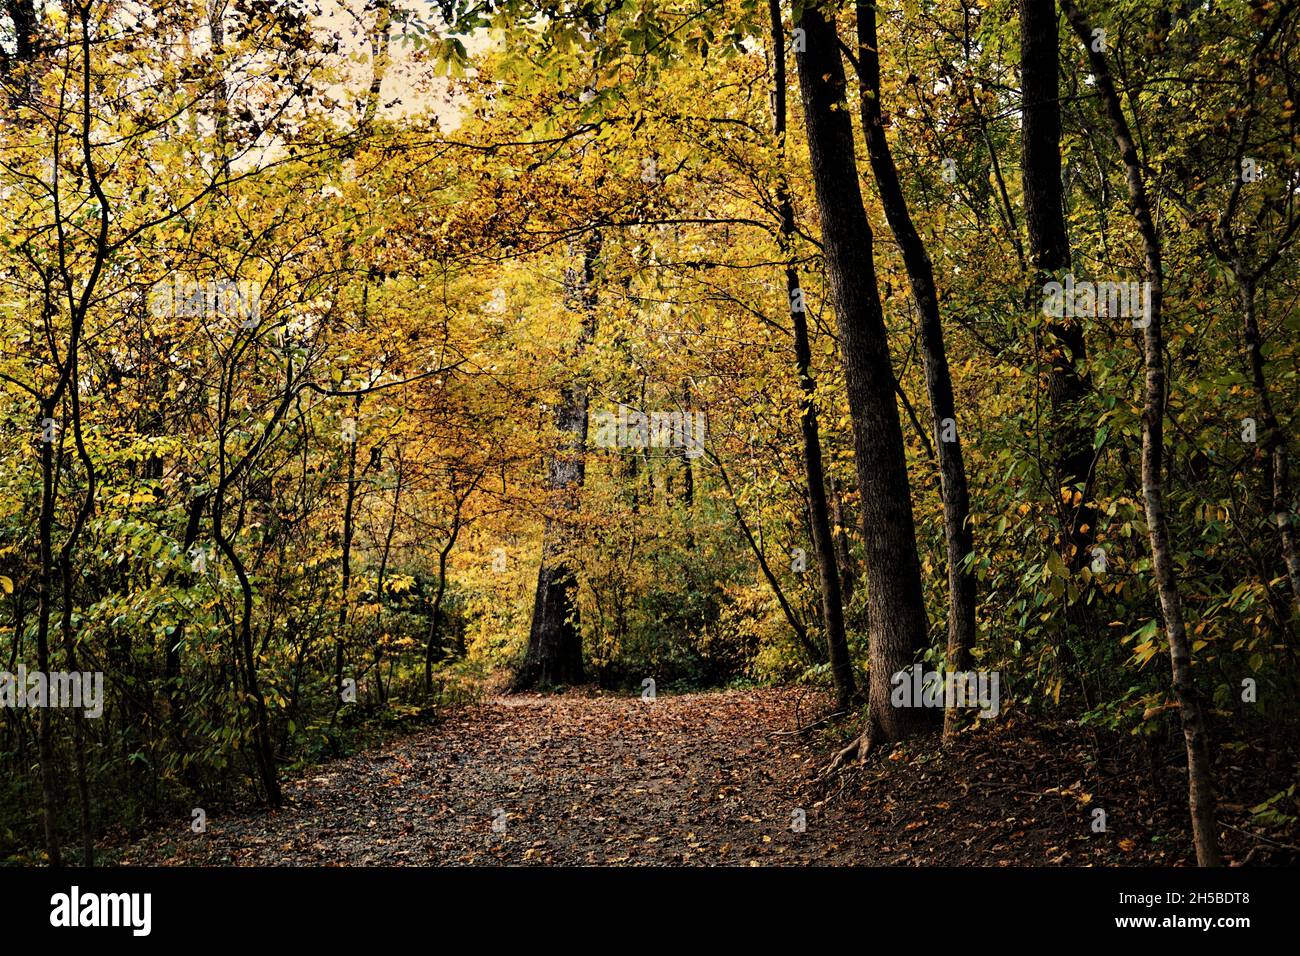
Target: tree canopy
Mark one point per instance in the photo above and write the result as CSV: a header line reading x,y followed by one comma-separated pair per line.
x,y
361,360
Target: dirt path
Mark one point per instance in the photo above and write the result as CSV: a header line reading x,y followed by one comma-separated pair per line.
x,y
696,779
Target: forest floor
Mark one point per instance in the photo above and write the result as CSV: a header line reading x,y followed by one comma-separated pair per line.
x,y
703,779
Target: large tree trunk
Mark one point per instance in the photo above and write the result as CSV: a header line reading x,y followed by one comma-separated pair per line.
x,y
938,380
554,643
837,643
18,71
898,629
1040,168
1040,135
1200,788
554,654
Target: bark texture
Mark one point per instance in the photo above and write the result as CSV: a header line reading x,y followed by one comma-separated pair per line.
x,y
938,380
1049,250
837,644
554,654
898,628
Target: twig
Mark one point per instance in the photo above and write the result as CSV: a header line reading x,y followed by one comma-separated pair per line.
x,y
1260,836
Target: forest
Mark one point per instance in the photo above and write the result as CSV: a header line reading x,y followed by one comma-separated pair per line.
x,y
670,432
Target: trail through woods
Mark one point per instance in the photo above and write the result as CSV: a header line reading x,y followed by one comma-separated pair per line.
x,y
696,779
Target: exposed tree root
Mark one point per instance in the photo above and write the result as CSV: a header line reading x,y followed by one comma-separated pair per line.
x,y
859,749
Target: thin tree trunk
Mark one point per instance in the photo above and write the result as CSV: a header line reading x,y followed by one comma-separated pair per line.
x,y
837,644
898,628
938,379
45,724
688,475
263,748
377,649
1200,787
796,625
78,308
435,623
435,620
349,510
242,651
66,553
78,731
848,577
1275,446
172,672
1227,248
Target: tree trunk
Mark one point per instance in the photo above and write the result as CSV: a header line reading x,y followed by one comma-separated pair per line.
x,y
19,70
837,644
1200,787
435,622
898,628
173,675
78,728
688,475
1040,167
938,380
345,583
796,625
554,654
377,650
45,724
246,660
1040,135
66,553
848,577
1275,446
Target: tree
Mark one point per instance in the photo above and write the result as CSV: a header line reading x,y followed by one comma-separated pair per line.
x,y
920,271
818,510
554,653
898,627
1049,248
1200,786
1274,229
